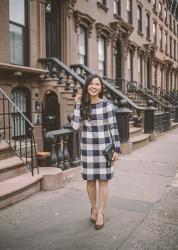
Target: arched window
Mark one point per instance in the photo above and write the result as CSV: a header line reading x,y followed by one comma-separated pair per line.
x,y
139,18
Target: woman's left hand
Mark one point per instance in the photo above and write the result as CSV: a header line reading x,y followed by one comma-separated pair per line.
x,y
115,156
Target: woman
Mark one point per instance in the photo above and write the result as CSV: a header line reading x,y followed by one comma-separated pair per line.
x,y
97,118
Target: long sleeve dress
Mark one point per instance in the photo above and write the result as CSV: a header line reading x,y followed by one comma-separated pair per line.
x,y
96,134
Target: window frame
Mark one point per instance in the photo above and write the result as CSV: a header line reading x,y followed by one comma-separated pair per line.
x,y
117,5
170,46
86,44
155,34
24,28
160,9
105,56
139,19
161,38
147,26
129,12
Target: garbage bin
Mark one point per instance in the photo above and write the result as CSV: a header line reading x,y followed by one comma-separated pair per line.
x,y
43,159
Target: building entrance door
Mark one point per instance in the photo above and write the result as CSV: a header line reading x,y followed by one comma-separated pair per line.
x,y
53,31
51,112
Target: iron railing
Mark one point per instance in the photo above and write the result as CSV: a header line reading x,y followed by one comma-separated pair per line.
x,y
17,131
162,122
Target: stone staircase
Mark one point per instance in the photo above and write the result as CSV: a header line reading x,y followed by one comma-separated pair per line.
x,y
17,182
137,138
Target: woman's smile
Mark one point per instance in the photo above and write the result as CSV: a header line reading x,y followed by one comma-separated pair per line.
x,y
94,88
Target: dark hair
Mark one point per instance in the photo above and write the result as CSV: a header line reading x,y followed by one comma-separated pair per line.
x,y
85,100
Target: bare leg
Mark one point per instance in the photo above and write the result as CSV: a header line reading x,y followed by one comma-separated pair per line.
x,y
103,197
91,189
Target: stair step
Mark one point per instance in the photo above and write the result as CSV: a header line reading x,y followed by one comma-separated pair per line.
x,y
133,131
11,167
18,188
139,140
5,150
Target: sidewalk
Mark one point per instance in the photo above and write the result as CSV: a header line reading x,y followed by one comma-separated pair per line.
x,y
142,211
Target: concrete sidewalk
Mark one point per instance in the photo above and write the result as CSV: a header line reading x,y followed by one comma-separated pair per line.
x,y
142,212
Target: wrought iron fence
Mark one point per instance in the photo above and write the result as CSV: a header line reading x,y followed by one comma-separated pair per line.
x,y
17,131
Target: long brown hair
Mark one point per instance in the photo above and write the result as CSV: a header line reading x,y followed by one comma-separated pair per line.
x,y
85,100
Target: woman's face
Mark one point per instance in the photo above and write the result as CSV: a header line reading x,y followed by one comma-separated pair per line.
x,y
94,87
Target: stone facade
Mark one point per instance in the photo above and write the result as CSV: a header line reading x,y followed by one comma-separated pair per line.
x,y
99,20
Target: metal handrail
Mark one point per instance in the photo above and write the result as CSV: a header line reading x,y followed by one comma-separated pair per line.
x,y
47,61
110,87
17,137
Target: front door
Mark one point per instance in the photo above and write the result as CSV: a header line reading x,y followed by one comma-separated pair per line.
x,y
51,112
53,28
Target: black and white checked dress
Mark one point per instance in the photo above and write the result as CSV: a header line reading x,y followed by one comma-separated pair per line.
x,y
96,134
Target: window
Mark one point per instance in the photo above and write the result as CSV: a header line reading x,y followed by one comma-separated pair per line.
x,y
165,15
140,71
82,45
117,7
175,50
154,4
18,31
175,81
129,61
139,18
165,42
154,33
147,26
160,9
155,75
102,56
161,38
129,11
170,46
170,21
161,71
174,26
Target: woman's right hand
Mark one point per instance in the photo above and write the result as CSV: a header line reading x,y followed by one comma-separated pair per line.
x,y
78,97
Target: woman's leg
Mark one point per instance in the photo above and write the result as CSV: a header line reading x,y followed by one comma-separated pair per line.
x,y
103,197
91,189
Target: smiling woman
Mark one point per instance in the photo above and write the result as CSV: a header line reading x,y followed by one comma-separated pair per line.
x,y
96,117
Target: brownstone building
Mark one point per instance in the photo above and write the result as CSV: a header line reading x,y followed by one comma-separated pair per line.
x,y
133,39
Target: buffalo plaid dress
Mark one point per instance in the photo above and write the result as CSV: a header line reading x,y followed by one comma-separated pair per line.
x,y
96,134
